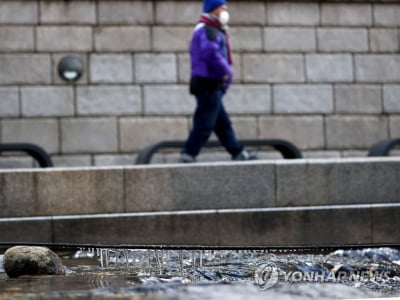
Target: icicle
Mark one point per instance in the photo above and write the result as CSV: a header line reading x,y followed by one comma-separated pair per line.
x,y
127,260
101,259
193,260
106,257
121,257
181,261
149,259
91,252
158,261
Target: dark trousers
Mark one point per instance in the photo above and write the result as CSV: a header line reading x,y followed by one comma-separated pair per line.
x,y
210,115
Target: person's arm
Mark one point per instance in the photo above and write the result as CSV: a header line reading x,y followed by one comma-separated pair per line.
x,y
217,63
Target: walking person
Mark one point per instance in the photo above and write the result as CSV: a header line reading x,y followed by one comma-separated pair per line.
x,y
211,76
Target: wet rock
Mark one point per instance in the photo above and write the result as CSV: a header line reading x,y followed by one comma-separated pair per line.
x,y
24,260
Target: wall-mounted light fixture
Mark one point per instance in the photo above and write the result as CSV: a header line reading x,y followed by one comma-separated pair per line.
x,y
70,68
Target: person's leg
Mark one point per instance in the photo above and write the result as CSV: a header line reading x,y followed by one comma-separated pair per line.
x,y
225,133
204,120
227,137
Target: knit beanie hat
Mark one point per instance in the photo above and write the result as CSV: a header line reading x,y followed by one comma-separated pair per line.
x,y
210,5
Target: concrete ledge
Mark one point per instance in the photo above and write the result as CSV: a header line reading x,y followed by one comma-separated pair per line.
x,y
60,192
295,226
259,184
350,181
37,229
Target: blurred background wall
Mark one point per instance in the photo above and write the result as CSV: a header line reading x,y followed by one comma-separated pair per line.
x,y
323,75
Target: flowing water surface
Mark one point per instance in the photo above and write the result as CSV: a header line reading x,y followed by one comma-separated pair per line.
x,y
171,274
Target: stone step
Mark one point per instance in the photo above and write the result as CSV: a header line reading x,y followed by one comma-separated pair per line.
x,y
244,185
280,226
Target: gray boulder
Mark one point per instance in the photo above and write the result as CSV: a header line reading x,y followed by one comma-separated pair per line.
x,y
25,260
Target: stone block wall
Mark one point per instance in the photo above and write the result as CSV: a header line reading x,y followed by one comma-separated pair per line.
x,y
324,75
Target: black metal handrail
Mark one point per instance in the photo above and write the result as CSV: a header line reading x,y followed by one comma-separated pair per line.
x,y
287,149
383,148
38,153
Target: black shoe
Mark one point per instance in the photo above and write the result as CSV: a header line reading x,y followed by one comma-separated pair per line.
x,y
187,158
245,155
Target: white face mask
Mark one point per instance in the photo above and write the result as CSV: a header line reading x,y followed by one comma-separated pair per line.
x,y
223,17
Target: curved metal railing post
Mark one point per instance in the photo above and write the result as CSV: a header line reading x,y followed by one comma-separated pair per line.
x,y
38,153
383,147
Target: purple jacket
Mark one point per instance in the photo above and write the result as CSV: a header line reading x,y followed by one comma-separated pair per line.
x,y
209,60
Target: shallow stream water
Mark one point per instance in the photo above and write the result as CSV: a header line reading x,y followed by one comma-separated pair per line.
x,y
167,274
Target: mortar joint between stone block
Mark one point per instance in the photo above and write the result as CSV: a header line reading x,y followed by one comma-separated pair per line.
x,y
97,13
